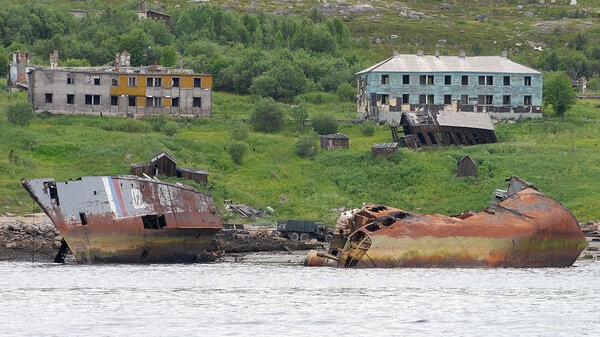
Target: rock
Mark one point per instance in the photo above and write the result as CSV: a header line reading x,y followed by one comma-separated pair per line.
x,y
393,36
11,245
481,18
529,14
9,214
444,6
441,43
573,3
520,8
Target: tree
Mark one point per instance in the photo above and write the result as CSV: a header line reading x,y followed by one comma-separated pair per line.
x,y
300,114
558,92
19,113
168,56
324,123
346,93
306,146
237,151
238,132
267,116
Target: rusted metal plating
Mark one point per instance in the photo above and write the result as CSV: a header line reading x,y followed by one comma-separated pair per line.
x,y
129,219
525,229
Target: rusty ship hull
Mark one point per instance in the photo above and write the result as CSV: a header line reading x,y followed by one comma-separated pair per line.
x,y
526,229
127,219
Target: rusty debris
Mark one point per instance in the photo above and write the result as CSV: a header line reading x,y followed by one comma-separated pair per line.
x,y
127,219
524,229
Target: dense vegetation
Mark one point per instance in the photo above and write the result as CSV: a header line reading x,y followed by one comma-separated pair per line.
x,y
305,61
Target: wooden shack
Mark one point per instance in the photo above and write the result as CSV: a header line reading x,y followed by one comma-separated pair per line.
x,y
335,141
384,149
165,165
466,167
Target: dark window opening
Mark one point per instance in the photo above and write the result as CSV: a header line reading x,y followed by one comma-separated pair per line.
x,y
88,99
447,99
465,80
197,82
422,80
83,218
506,80
96,99
196,102
149,82
447,80
405,98
131,100
385,99
52,191
464,99
506,99
481,80
527,81
489,80
115,82
48,98
527,100
405,79
489,99
175,82
132,82
385,79
422,99
432,138
175,102
154,221
158,82
70,99
114,100
440,138
70,79
96,80
421,138
429,99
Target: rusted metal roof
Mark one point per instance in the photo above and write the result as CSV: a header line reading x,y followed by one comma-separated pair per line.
x,y
335,136
384,145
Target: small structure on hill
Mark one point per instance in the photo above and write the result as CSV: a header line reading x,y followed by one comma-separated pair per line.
x,y
384,149
164,164
16,76
335,141
466,167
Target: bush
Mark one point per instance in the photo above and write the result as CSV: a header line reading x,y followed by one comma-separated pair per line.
x,y
170,128
367,128
126,125
19,113
159,122
237,151
306,146
300,114
238,132
324,124
267,116
346,93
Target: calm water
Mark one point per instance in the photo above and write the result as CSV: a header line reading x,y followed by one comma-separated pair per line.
x,y
258,299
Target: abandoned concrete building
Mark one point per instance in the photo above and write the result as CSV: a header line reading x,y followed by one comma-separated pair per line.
x,y
492,84
119,90
18,68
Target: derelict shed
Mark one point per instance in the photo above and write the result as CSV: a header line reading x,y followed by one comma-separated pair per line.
x,y
164,164
335,141
384,149
466,167
199,176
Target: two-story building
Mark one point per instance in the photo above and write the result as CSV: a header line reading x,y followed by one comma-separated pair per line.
x,y
120,90
492,84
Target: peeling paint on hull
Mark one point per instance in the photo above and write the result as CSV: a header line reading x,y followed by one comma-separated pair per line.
x,y
127,219
526,229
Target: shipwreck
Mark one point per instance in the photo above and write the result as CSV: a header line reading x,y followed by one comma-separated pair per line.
x,y
128,219
523,228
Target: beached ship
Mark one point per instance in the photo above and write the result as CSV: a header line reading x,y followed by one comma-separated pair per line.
x,y
524,228
128,219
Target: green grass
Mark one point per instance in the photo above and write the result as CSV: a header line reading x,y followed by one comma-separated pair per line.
x,y
563,165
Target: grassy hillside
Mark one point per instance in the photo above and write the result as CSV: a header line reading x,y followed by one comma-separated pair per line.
x,y
563,165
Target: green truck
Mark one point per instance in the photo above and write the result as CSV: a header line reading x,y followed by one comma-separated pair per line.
x,y
304,230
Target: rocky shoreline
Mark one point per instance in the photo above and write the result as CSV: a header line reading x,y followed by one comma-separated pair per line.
x,y
34,238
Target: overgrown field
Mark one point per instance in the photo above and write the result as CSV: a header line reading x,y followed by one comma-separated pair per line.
x,y
563,164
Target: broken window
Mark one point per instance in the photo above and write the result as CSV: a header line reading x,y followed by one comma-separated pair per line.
x,y
405,98
489,80
132,82
422,80
175,82
506,80
422,99
465,80
196,102
527,100
429,99
154,221
197,82
158,82
114,100
464,99
88,99
385,79
154,102
114,81
70,99
489,99
131,100
175,102
405,79
447,99
70,78
96,80
52,191
527,81
83,218
96,99
432,138
481,80
385,99
429,79
48,98
149,82
447,80
505,99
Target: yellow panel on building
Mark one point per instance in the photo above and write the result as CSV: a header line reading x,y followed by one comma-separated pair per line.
x,y
167,102
140,101
206,82
125,89
187,81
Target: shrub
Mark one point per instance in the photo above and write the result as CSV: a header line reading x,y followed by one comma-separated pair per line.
x,y
238,132
306,146
346,93
158,122
19,113
267,116
126,125
367,129
300,114
324,124
170,128
237,151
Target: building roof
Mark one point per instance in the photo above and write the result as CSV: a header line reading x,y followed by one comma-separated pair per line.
x,y
408,63
162,154
192,170
477,120
125,70
384,145
335,136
